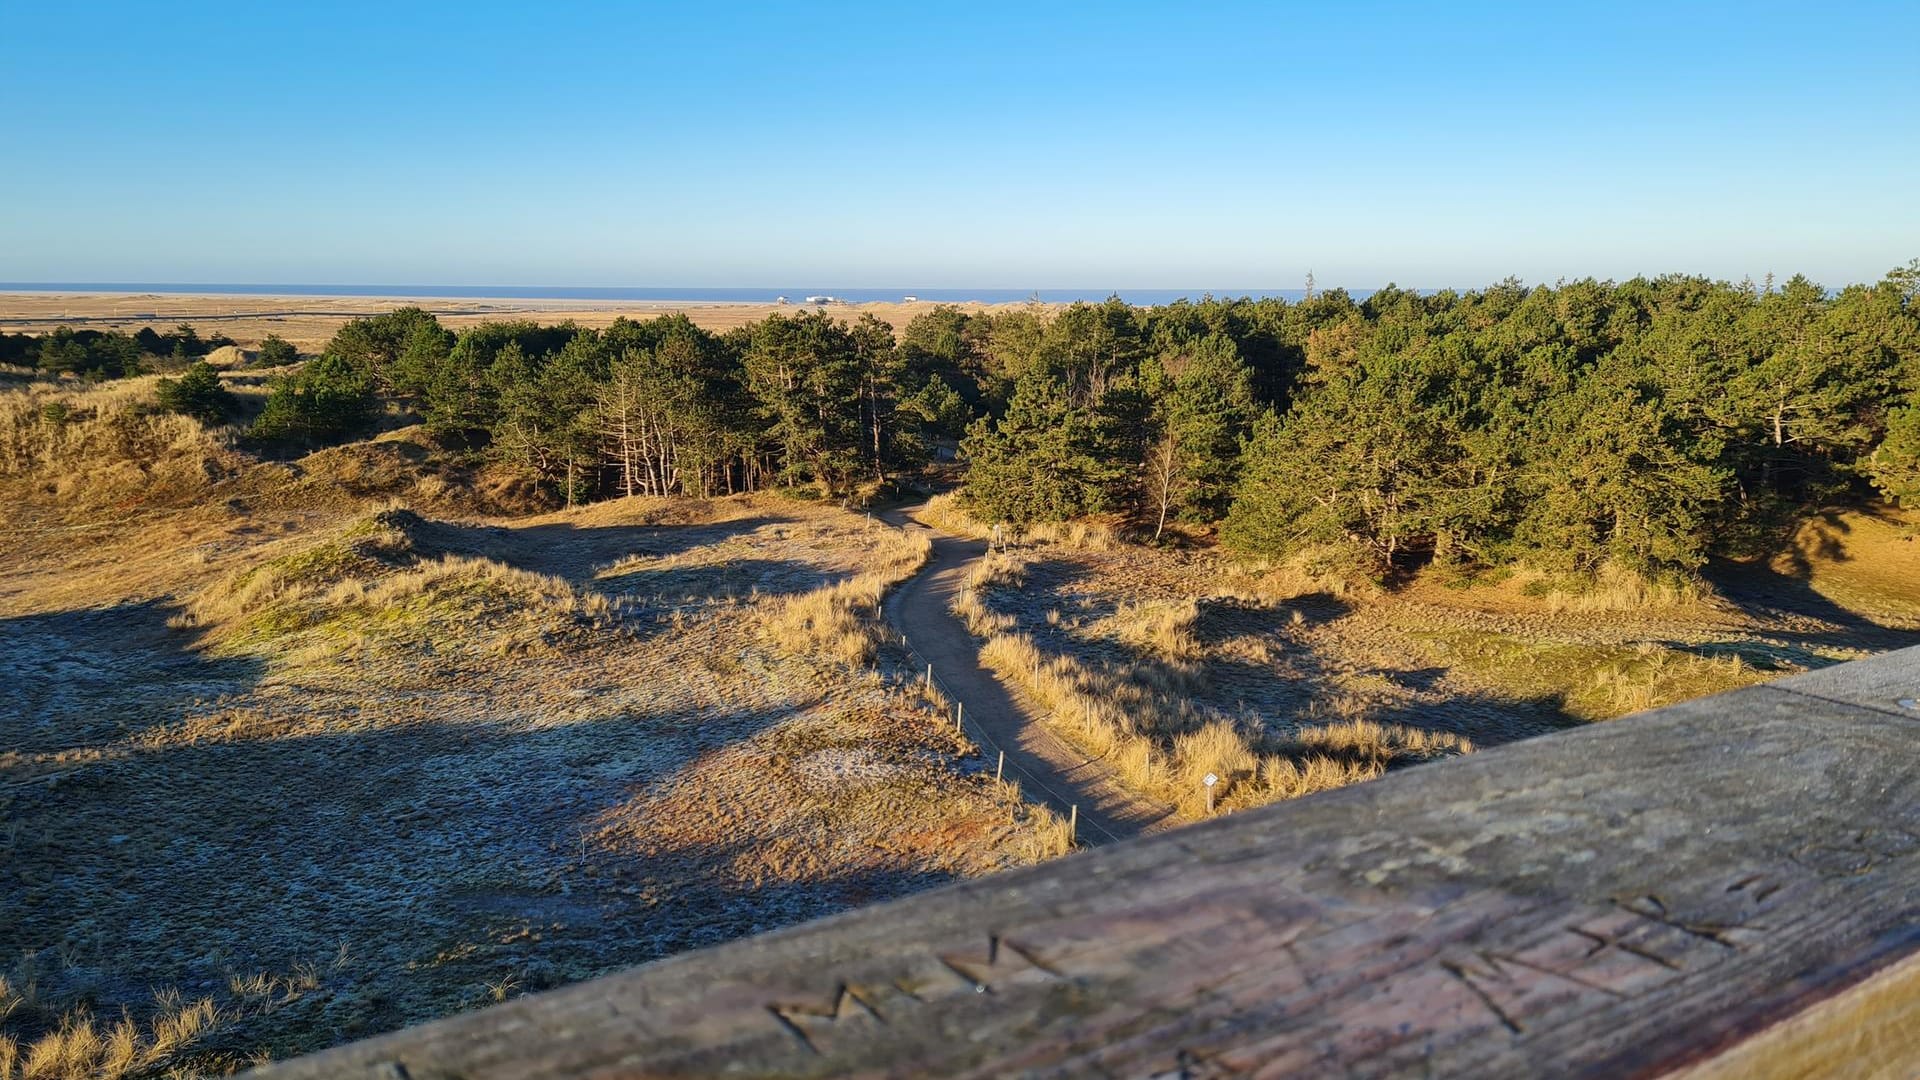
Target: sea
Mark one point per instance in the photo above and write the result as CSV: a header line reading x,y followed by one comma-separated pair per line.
x,y
795,294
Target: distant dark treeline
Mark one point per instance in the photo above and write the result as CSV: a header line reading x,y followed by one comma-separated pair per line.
x,y
106,354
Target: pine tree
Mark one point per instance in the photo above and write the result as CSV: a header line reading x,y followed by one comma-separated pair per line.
x,y
1894,466
1047,459
326,398
1207,412
198,394
276,351
807,376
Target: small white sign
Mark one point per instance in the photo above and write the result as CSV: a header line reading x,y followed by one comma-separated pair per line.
x,y
1210,780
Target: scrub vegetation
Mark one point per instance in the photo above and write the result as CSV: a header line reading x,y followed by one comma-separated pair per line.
x,y
430,668
282,771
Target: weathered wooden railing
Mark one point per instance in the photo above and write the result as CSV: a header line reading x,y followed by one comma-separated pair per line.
x,y
1725,888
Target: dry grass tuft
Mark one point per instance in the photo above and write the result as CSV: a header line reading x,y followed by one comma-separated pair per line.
x,y
1284,777
945,513
109,442
981,621
1217,749
1141,719
1375,744
948,513
1329,571
998,569
1080,535
1614,589
842,621
1165,630
1047,835
78,1048
995,569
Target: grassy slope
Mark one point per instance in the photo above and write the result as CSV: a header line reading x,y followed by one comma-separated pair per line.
x,y
312,771
1283,658
336,772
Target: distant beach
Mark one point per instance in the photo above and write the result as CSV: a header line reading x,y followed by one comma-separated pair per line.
x,y
309,320
308,315
675,295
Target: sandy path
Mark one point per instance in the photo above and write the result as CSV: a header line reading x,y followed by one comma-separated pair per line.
x,y
1048,770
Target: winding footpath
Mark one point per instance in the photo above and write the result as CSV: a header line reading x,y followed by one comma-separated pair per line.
x,y
1047,768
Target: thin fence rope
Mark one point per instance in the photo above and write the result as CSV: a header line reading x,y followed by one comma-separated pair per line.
x,y
980,736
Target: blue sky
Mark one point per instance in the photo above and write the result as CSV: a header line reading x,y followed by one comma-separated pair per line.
x,y
1214,146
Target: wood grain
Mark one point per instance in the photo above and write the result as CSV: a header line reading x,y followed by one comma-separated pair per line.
x,y
1879,682
1628,899
1871,1032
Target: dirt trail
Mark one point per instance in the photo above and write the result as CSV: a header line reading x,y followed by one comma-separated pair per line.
x,y
1047,769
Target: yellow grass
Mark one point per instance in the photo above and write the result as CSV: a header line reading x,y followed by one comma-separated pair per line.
x,y
1865,561
1314,571
1090,535
842,621
80,1048
1614,589
1047,835
1138,720
1376,743
1005,569
1163,629
108,441
945,513
1591,682
948,513
1284,777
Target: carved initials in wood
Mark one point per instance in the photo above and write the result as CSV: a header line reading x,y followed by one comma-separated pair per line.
x,y
1856,852
810,1022
1003,964
1511,985
1726,927
1000,966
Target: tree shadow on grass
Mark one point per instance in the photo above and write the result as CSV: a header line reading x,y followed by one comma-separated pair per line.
x,y
1049,584
1485,718
1224,618
426,851
408,868
737,579
1767,595
1301,694
79,677
578,553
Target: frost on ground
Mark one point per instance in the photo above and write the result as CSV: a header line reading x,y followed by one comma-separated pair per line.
x,y
336,775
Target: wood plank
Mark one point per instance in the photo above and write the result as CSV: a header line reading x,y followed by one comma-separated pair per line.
x,y
1627,899
1885,682
1871,1032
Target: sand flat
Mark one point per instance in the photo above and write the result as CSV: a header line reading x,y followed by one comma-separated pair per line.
x,y
308,321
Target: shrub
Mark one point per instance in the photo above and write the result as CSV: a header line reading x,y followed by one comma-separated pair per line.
x,y
198,394
327,398
277,351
